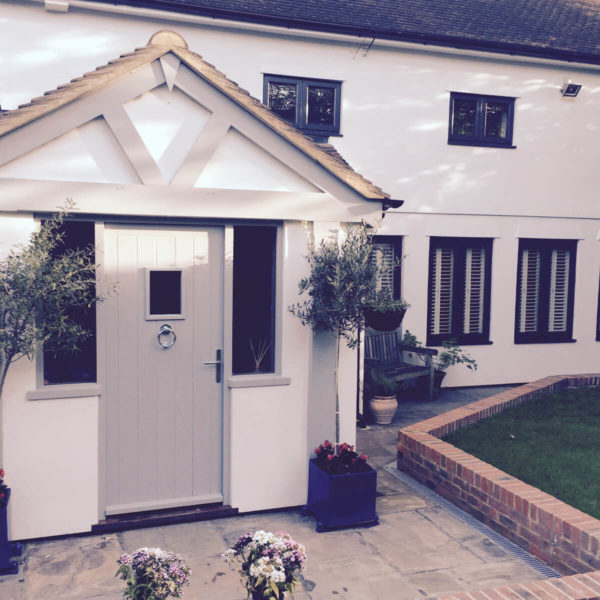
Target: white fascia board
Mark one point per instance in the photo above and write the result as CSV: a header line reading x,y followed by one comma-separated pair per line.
x,y
152,13
28,195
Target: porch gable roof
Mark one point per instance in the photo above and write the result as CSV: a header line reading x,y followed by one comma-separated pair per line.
x,y
160,44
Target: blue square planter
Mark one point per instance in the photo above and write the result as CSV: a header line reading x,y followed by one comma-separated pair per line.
x,y
7,549
339,501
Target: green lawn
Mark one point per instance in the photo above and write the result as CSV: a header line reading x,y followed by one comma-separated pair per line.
x,y
552,443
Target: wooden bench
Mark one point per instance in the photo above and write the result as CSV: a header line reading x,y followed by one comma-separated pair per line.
x,y
385,350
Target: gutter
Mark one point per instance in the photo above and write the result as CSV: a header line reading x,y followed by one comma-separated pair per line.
x,y
233,20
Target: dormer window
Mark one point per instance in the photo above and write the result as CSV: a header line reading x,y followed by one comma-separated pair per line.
x,y
311,105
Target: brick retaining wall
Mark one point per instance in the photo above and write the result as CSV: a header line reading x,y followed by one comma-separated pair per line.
x,y
560,535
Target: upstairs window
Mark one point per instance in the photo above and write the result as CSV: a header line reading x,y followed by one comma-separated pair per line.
x,y
459,290
481,120
311,105
545,291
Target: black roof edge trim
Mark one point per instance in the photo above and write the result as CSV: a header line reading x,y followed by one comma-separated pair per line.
x,y
389,203
426,39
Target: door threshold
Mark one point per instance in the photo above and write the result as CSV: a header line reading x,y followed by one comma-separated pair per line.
x,y
166,516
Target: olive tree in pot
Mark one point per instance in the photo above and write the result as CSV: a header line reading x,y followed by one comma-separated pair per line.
x,y
343,281
41,283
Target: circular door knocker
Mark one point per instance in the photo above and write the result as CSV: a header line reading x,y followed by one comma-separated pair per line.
x,y
166,336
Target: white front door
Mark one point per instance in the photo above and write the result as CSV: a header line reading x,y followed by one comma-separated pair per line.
x,y
163,445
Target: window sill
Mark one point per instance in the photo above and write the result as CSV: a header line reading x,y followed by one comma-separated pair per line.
x,y
480,144
259,380
67,390
566,341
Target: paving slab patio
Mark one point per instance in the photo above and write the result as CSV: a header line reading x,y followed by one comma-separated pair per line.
x,y
420,549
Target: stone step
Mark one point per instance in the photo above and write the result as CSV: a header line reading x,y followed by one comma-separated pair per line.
x,y
170,516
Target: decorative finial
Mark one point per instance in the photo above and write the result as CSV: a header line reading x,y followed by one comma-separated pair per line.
x,y
167,38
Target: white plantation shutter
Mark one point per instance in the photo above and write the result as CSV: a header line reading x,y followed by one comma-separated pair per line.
x,y
441,291
559,290
384,256
529,293
474,290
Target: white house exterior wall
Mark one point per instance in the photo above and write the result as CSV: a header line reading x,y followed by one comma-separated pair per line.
x,y
394,125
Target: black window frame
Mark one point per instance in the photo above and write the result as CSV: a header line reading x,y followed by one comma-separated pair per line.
x,y
301,120
459,247
479,138
543,335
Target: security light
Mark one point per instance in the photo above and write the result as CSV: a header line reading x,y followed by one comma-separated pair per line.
x,y
570,90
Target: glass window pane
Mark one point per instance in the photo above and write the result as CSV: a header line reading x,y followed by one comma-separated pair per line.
x,y
321,106
253,299
282,98
80,366
165,292
496,119
463,122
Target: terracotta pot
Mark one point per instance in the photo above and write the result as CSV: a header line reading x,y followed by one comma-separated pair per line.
x,y
438,377
383,409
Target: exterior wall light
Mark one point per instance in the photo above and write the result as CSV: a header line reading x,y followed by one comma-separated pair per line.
x,y
570,90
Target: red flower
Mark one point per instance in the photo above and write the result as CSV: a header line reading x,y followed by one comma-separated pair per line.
x,y
330,457
1,472
363,457
317,450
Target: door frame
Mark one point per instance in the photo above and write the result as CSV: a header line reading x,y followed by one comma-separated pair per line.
x,y
101,337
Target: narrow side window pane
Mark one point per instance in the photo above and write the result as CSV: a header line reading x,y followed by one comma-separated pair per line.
x,y
496,119
559,290
253,299
442,272
80,366
529,291
474,290
321,105
463,116
283,99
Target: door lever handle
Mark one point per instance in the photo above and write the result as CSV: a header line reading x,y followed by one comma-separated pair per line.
x,y
218,363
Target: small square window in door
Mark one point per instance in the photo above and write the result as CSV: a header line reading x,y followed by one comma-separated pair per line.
x,y
164,297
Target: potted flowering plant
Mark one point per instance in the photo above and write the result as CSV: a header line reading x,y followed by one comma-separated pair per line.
x,y
7,549
341,488
268,563
153,574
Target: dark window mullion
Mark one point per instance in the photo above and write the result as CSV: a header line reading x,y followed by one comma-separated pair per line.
x,y
480,119
458,292
303,103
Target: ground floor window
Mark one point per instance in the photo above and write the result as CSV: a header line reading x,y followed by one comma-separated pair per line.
x,y
459,290
545,291
387,252
253,299
80,366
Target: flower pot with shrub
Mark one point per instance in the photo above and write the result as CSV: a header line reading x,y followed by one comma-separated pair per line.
x,y
451,354
341,488
153,574
385,313
381,391
7,549
269,563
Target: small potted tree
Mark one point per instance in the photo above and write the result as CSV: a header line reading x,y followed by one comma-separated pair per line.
x,y
342,282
